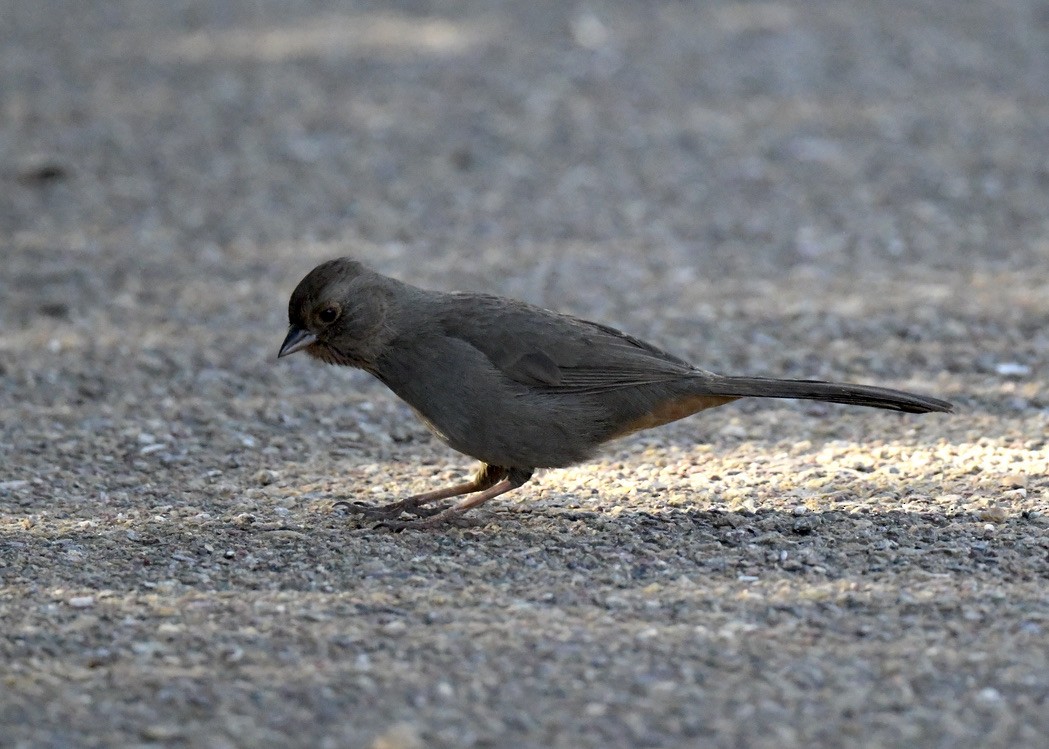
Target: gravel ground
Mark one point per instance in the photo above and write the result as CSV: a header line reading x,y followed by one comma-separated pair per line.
x,y
850,190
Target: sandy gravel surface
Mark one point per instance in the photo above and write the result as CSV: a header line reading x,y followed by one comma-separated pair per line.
x,y
850,190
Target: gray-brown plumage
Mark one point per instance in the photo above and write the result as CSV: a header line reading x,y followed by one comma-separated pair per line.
x,y
513,385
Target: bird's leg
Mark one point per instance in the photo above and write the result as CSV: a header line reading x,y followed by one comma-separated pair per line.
x,y
514,477
485,478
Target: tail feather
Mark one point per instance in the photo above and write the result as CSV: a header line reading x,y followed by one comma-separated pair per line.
x,y
830,392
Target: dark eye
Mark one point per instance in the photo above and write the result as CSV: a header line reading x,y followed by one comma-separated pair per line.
x,y
328,315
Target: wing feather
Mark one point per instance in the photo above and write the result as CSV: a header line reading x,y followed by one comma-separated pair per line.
x,y
559,353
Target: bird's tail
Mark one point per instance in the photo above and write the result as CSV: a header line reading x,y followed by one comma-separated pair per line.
x,y
830,392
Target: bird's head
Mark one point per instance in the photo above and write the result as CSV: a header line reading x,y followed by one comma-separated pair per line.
x,y
337,314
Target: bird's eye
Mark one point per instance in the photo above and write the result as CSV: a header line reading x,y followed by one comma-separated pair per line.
x,y
328,315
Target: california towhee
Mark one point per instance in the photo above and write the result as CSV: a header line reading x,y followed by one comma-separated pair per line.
x,y
513,385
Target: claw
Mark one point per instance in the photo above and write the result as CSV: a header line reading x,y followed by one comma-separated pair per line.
x,y
426,512
388,512
359,508
490,481
354,507
451,517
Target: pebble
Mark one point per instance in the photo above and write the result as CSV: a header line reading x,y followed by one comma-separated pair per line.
x,y
400,736
164,732
989,694
994,514
734,431
1012,369
806,524
1015,481
265,477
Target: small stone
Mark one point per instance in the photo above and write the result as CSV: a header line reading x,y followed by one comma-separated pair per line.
x,y
588,31
400,736
595,709
41,168
806,524
994,514
735,431
162,732
1012,369
1011,481
81,602
989,694
265,477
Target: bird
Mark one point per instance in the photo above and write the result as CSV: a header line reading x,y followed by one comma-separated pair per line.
x,y
513,385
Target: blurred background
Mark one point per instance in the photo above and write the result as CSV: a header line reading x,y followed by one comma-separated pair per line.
x,y
804,189
559,151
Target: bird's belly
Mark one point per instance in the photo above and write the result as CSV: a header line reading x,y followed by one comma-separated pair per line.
x,y
519,437
549,431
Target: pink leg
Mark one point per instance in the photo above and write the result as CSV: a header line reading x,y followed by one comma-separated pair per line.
x,y
454,514
487,477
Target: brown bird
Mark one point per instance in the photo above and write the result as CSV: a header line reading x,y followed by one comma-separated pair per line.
x,y
516,386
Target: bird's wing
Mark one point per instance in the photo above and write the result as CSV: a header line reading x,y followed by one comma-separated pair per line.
x,y
554,352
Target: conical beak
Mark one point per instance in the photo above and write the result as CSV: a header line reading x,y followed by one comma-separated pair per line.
x,y
296,340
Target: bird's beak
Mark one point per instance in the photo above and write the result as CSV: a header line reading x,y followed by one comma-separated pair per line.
x,y
296,340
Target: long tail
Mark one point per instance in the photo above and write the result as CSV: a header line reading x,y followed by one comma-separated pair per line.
x,y
831,392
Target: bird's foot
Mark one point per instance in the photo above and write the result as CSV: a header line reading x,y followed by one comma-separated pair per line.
x,y
444,517
391,511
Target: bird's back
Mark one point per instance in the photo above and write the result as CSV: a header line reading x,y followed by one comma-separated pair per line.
x,y
516,385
